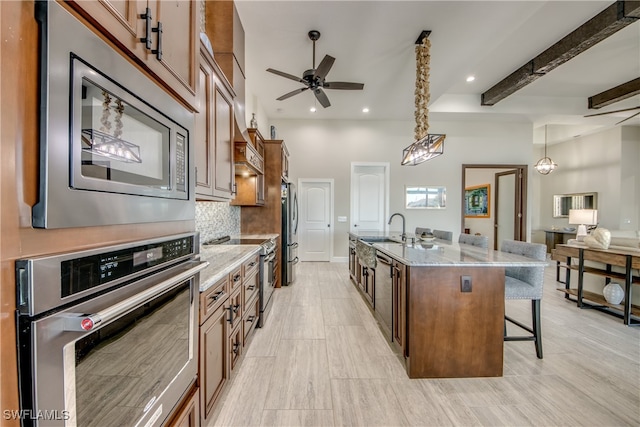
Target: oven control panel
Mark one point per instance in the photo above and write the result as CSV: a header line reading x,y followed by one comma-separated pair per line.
x,y
87,272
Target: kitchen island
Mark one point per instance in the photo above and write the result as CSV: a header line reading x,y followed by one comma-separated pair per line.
x,y
447,304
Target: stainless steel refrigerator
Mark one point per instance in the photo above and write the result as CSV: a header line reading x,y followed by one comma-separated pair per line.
x,y
289,233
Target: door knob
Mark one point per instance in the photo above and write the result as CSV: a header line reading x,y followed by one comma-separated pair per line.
x,y
328,225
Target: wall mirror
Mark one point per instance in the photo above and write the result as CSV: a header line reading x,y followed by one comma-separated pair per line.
x,y
417,197
563,202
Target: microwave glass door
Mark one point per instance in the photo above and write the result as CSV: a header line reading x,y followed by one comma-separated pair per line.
x,y
122,144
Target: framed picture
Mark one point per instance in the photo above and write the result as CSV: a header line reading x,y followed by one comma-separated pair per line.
x,y
477,201
417,197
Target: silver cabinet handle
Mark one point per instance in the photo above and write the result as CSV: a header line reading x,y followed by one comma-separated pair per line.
x,y
83,323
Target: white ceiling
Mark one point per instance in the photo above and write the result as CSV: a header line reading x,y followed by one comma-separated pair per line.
x,y
374,41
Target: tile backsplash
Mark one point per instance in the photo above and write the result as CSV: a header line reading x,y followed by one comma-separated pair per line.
x,y
217,219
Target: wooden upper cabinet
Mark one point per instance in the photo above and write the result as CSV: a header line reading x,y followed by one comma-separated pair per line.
x,y
171,55
224,166
213,133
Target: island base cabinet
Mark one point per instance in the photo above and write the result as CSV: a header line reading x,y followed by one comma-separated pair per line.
x,y
189,413
450,333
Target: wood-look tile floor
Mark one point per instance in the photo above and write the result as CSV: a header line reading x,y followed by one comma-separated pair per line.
x,y
322,361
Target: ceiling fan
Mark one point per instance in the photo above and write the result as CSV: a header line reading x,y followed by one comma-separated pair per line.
x,y
618,111
314,78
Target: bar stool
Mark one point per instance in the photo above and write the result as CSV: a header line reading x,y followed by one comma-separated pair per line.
x,y
525,283
479,241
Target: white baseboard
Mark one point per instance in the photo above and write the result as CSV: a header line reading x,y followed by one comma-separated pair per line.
x,y
340,259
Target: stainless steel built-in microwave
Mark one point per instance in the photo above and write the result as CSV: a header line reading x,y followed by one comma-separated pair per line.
x,y
114,146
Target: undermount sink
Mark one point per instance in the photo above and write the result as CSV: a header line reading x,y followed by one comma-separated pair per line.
x,y
381,239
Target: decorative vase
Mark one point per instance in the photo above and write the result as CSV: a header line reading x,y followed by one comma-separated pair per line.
x,y
613,293
253,123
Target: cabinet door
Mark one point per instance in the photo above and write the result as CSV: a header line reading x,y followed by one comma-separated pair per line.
x,y
189,415
399,306
371,285
224,168
203,127
214,362
235,347
122,23
180,42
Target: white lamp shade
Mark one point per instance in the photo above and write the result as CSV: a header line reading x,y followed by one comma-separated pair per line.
x,y
583,216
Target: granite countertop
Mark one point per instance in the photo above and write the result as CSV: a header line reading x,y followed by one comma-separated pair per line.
x,y
255,236
441,253
223,259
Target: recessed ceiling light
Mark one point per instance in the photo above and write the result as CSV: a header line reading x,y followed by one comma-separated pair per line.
x,y
312,109
365,110
470,79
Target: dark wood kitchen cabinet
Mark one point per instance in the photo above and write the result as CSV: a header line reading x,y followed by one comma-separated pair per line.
x,y
399,321
214,363
188,415
173,30
213,130
249,158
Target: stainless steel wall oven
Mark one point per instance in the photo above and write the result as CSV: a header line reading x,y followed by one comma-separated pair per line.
x,y
114,146
108,337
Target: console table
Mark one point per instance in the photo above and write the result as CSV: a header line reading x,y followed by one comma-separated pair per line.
x,y
556,237
627,260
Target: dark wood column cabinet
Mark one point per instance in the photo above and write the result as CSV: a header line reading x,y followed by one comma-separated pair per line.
x,y
268,218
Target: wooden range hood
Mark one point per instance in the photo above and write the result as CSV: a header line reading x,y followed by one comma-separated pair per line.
x,y
226,33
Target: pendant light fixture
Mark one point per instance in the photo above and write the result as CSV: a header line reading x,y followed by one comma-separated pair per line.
x,y
426,145
545,165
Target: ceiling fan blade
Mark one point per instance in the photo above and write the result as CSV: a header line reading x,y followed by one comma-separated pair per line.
x,y
322,97
324,67
293,92
614,111
628,118
286,75
343,85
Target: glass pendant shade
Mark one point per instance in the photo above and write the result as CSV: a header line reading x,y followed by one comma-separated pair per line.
x,y
424,149
545,165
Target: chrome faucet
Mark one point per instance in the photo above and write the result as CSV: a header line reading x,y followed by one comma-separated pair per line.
x,y
404,233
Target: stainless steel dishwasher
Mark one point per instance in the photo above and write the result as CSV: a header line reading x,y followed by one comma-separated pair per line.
x,y
384,293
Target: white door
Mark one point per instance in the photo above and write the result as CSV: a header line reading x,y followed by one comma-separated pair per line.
x,y
315,220
369,189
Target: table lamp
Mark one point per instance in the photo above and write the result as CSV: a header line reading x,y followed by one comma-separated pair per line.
x,y
582,218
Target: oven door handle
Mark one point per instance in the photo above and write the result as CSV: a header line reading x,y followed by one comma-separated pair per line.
x,y
83,322
270,257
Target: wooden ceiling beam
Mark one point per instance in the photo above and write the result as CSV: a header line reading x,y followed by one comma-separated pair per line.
x,y
612,19
615,94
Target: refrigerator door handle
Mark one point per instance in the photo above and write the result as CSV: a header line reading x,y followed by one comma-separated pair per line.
x,y
295,213
293,245
295,260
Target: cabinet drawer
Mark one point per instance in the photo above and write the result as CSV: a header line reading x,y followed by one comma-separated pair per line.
x,y
235,279
235,347
250,265
251,314
213,298
234,309
250,287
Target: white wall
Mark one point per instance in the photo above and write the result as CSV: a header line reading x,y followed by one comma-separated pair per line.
x,y
326,148
607,163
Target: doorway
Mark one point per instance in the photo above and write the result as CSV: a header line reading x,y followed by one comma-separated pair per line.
x,y
316,219
508,207
369,196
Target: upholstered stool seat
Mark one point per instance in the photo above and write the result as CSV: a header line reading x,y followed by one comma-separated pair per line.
x,y
525,283
479,241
